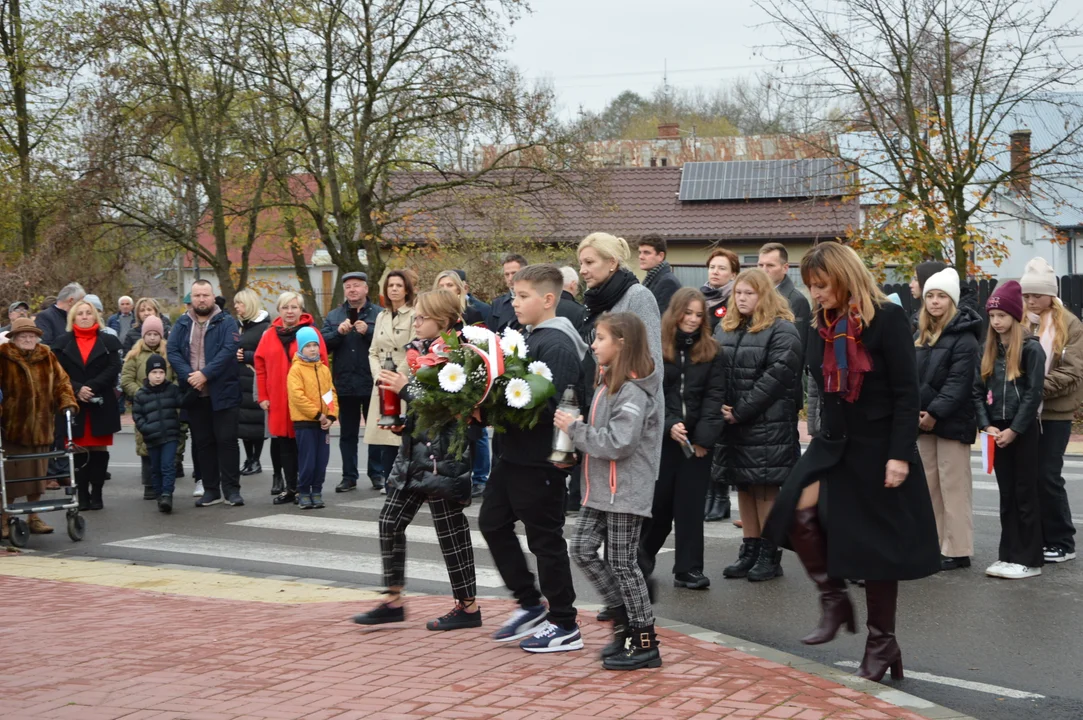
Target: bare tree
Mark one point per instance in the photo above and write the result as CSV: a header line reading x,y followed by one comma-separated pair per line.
x,y
932,89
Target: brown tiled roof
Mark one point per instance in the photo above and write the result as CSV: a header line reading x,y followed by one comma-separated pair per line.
x,y
630,202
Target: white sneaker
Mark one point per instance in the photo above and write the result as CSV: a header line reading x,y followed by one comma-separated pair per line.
x,y
995,569
1014,571
198,492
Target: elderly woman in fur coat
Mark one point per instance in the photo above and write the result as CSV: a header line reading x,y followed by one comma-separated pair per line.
x,y
35,388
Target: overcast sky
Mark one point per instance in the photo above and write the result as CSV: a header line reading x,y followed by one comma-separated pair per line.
x,y
591,50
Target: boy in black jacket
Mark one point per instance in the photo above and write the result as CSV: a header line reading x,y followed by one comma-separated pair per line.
x,y
525,486
156,411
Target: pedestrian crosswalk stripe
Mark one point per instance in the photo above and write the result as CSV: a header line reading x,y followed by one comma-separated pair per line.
x,y
279,554
349,528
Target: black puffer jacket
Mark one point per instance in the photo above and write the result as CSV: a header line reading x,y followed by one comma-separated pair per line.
x,y
694,394
1015,401
251,418
425,464
761,370
946,375
156,411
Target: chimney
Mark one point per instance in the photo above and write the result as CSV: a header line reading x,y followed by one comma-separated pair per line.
x,y
1020,160
668,131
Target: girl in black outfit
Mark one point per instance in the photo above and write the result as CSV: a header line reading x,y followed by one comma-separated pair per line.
x,y
761,355
693,422
723,267
251,420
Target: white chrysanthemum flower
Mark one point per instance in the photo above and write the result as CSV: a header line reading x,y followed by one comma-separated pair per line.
x,y
452,377
539,368
474,334
517,393
513,343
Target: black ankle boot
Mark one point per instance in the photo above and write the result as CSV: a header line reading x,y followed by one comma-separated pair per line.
x,y
641,652
712,491
746,558
620,632
278,485
769,563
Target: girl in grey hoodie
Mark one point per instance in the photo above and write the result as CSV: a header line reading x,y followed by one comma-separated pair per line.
x,y
620,465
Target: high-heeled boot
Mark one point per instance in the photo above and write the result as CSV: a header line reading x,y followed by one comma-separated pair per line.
x,y
712,491
882,651
808,541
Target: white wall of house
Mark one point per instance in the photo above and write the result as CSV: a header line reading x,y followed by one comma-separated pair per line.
x,y
1025,238
270,281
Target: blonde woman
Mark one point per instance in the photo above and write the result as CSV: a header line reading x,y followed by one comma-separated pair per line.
x,y
865,461
1061,335
132,375
251,420
272,359
92,360
449,280
761,364
394,328
948,347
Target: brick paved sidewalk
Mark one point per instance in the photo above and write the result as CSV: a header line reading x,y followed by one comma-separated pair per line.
x,y
93,652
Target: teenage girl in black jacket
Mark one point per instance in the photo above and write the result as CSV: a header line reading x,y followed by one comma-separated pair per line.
x,y
694,392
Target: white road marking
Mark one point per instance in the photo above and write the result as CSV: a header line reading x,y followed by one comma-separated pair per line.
x,y
964,684
349,528
279,554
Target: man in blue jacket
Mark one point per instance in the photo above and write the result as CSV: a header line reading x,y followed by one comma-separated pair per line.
x,y
203,352
347,332
502,314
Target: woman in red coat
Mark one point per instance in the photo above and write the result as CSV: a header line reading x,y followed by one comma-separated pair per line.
x,y
272,359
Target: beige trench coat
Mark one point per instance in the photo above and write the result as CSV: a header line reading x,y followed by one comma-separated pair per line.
x,y
393,332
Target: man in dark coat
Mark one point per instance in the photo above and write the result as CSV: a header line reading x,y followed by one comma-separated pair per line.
x,y
569,307
53,320
775,261
483,308
203,352
503,314
347,332
660,279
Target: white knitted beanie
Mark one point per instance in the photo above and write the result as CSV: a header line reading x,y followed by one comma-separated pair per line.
x,y
1039,278
947,282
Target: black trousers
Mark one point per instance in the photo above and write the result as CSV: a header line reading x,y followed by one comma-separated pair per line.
x,y
253,449
286,449
1057,528
679,495
350,411
1020,513
214,436
534,496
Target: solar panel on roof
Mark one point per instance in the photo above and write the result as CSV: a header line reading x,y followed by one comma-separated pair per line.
x,y
762,179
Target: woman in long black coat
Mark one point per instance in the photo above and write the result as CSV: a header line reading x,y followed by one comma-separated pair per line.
x,y
92,360
251,419
857,504
694,391
761,357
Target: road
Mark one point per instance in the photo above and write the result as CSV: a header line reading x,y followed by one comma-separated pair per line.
x,y
1020,638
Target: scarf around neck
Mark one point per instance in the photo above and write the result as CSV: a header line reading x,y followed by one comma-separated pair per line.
x,y
846,360
602,298
652,274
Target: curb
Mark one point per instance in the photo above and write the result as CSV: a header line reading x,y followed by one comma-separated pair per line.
x,y
884,693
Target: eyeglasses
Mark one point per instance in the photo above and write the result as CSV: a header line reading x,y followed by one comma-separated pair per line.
x,y
420,319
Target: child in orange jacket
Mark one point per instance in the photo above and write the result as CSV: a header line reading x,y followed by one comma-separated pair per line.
x,y
313,408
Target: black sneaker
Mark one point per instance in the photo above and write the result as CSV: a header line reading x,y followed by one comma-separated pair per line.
x,y
209,498
457,619
346,486
694,580
285,498
165,503
235,500
377,482
954,563
148,493
381,615
1057,555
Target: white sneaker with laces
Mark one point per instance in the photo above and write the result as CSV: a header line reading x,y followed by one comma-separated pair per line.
x,y
553,638
1014,571
1057,555
995,569
198,492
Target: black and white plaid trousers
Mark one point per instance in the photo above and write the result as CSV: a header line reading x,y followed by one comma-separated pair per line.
x,y
617,576
452,531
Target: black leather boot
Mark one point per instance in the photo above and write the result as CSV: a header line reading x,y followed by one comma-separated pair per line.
x,y
641,652
99,462
278,484
746,558
722,496
712,491
809,543
882,651
769,563
620,632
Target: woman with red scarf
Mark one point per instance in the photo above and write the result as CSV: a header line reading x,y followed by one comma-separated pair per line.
x,y
273,358
857,504
92,360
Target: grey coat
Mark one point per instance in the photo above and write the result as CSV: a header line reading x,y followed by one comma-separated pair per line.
x,y
622,444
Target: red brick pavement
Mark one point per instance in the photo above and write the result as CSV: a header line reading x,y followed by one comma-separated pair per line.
x,y
88,652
